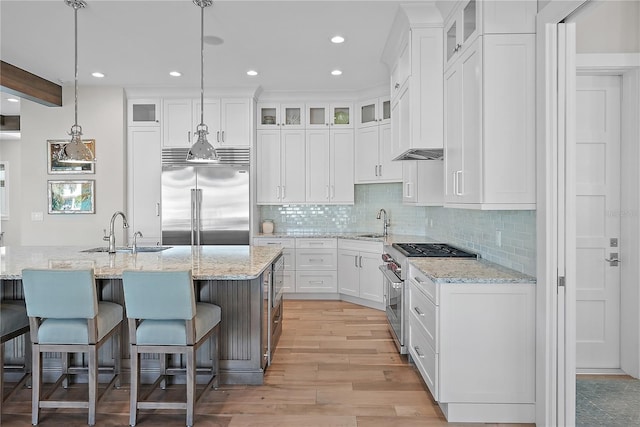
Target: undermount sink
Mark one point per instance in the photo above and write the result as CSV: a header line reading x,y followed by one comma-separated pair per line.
x,y
371,235
129,250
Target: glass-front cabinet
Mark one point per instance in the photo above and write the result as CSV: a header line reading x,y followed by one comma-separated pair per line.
x,y
143,112
462,28
276,115
376,111
330,114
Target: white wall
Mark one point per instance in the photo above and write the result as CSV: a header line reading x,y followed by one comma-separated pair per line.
x,y
101,113
10,152
608,26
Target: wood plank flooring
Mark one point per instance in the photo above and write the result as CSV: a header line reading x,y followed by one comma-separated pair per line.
x,y
335,365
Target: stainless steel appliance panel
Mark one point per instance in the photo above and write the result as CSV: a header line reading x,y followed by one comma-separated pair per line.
x,y
215,213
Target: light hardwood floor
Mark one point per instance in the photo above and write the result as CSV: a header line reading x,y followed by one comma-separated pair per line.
x,y
335,365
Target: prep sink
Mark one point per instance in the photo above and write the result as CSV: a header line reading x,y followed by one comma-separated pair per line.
x,y
130,250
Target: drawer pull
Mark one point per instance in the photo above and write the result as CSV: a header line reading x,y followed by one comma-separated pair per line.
x,y
316,282
419,280
417,310
418,352
316,260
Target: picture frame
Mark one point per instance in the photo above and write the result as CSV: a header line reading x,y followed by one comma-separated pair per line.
x,y
54,149
71,196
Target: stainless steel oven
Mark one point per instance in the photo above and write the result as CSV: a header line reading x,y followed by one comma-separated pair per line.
x,y
396,258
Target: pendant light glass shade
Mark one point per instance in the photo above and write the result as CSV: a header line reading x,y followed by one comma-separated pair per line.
x,y
202,151
76,151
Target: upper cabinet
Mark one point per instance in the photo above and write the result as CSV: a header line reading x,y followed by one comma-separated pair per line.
x,y
228,121
372,112
471,18
337,115
143,112
489,113
275,116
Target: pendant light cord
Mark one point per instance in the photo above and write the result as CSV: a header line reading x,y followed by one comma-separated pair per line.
x,y
202,63
75,36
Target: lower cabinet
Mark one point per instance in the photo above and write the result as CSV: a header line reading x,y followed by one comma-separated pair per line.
x,y
358,274
474,345
288,252
316,265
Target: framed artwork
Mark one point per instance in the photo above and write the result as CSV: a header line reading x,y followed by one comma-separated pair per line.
x,y
54,150
71,197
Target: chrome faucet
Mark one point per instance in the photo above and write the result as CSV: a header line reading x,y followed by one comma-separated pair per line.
x,y
385,222
112,237
135,241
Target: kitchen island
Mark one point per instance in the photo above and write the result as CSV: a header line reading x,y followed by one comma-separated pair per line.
x,y
228,276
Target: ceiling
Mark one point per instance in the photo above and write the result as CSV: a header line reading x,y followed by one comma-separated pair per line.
x,y
137,43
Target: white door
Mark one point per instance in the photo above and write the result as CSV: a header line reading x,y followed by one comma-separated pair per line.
x,y
597,222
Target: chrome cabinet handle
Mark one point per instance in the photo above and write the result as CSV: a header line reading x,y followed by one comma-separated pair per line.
x,y
380,169
284,192
418,352
417,279
222,136
360,261
376,170
218,136
417,310
189,136
157,209
355,259
396,86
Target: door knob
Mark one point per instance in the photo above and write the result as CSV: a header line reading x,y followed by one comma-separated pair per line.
x,y
613,259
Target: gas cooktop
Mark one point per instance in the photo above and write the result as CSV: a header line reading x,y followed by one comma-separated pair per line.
x,y
436,250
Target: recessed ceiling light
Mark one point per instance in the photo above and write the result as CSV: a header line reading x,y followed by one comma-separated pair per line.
x,y
252,73
175,73
12,99
336,72
98,74
337,39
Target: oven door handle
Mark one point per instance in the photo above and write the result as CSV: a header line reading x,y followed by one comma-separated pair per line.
x,y
392,278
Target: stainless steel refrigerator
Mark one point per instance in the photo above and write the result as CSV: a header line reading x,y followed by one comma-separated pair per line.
x,y
205,204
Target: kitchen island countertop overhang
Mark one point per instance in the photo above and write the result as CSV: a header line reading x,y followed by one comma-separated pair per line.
x,y
206,262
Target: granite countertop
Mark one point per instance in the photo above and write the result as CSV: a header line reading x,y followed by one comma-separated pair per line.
x,y
465,270
206,262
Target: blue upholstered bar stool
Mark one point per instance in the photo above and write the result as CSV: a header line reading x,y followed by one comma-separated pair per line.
x,y
65,316
13,323
164,317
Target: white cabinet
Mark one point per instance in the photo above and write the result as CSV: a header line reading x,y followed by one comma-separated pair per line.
x,y
474,345
358,274
416,106
329,166
143,183
289,255
143,112
373,144
280,156
375,111
228,121
490,124
316,265
471,18
277,115
337,115
422,182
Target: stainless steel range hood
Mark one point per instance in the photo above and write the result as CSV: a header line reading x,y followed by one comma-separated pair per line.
x,y
422,154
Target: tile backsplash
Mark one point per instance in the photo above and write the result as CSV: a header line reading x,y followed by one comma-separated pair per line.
x,y
475,230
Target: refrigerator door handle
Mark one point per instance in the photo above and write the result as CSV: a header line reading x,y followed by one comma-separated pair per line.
x,y
193,211
198,215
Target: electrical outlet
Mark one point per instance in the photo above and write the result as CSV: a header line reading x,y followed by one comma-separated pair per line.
x,y
499,238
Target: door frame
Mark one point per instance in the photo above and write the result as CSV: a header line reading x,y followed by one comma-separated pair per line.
x,y
555,355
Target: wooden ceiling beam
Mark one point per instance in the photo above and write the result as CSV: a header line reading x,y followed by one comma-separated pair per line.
x,y
19,82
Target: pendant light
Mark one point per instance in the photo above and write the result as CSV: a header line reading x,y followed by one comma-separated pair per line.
x,y
202,150
76,151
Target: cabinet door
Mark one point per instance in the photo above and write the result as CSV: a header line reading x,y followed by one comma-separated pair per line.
x,y
453,134
293,166
292,116
143,112
318,186
349,272
177,125
368,114
317,115
367,163
429,183
235,122
388,170
144,170
268,115
401,123
211,116
268,166
341,166
409,177
371,283
341,115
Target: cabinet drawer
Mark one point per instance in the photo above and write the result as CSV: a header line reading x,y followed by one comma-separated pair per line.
x,y
274,241
428,286
289,281
316,259
289,259
360,245
328,243
426,313
425,357
316,281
